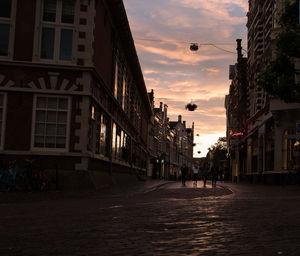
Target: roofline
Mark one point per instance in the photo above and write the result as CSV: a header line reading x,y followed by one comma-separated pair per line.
x,y
121,24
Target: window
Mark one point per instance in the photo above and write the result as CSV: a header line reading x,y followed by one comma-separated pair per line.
x,y
51,123
118,146
120,143
67,15
47,51
4,39
116,81
66,38
49,13
269,145
57,30
114,142
103,146
291,150
123,91
2,115
5,24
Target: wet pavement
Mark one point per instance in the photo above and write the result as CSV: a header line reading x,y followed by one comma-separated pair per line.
x,y
153,218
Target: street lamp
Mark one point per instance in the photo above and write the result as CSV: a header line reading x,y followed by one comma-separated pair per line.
x,y
191,107
194,47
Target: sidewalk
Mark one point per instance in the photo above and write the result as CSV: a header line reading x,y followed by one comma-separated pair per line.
x,y
147,186
115,191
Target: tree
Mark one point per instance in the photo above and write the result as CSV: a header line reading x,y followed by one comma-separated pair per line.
x,y
278,77
219,151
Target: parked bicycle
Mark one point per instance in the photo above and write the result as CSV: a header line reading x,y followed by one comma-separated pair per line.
x,y
11,178
35,177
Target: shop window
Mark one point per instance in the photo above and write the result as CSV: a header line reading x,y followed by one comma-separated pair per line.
x,y
51,123
103,136
125,148
57,30
118,143
114,140
291,150
269,145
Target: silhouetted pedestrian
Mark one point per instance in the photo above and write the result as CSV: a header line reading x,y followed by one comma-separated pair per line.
x,y
214,175
204,173
184,169
195,174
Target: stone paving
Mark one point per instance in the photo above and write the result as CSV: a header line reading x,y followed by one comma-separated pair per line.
x,y
154,219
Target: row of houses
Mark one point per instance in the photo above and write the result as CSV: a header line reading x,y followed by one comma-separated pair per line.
x,y
170,143
73,96
262,136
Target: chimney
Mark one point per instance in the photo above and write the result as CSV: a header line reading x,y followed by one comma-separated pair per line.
x,y
179,119
184,123
151,97
160,105
239,49
166,109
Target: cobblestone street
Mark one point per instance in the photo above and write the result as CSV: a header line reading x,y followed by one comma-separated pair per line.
x,y
162,219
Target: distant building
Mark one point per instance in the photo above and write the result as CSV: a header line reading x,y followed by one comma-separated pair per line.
x,y
72,94
170,143
184,143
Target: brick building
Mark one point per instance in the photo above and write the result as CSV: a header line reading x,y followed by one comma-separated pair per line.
x,y
72,94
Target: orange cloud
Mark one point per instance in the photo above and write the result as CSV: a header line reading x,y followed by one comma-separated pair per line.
x,y
163,31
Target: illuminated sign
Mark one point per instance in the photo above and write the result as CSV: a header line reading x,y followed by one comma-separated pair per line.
x,y
231,133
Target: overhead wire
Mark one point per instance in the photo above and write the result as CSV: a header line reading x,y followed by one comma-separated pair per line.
x,y
185,42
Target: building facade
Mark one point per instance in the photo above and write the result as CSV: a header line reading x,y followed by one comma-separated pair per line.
x,y
270,148
236,105
184,143
72,94
170,143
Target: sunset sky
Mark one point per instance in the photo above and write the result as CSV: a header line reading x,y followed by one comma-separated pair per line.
x,y
162,31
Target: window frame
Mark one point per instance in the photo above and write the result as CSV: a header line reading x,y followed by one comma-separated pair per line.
x,y
103,130
68,125
290,156
3,125
11,21
58,26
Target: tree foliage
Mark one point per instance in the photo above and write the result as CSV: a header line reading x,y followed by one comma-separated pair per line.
x,y
278,77
219,151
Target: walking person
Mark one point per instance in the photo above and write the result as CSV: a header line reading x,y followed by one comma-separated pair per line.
x,y
204,173
214,175
184,170
195,175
